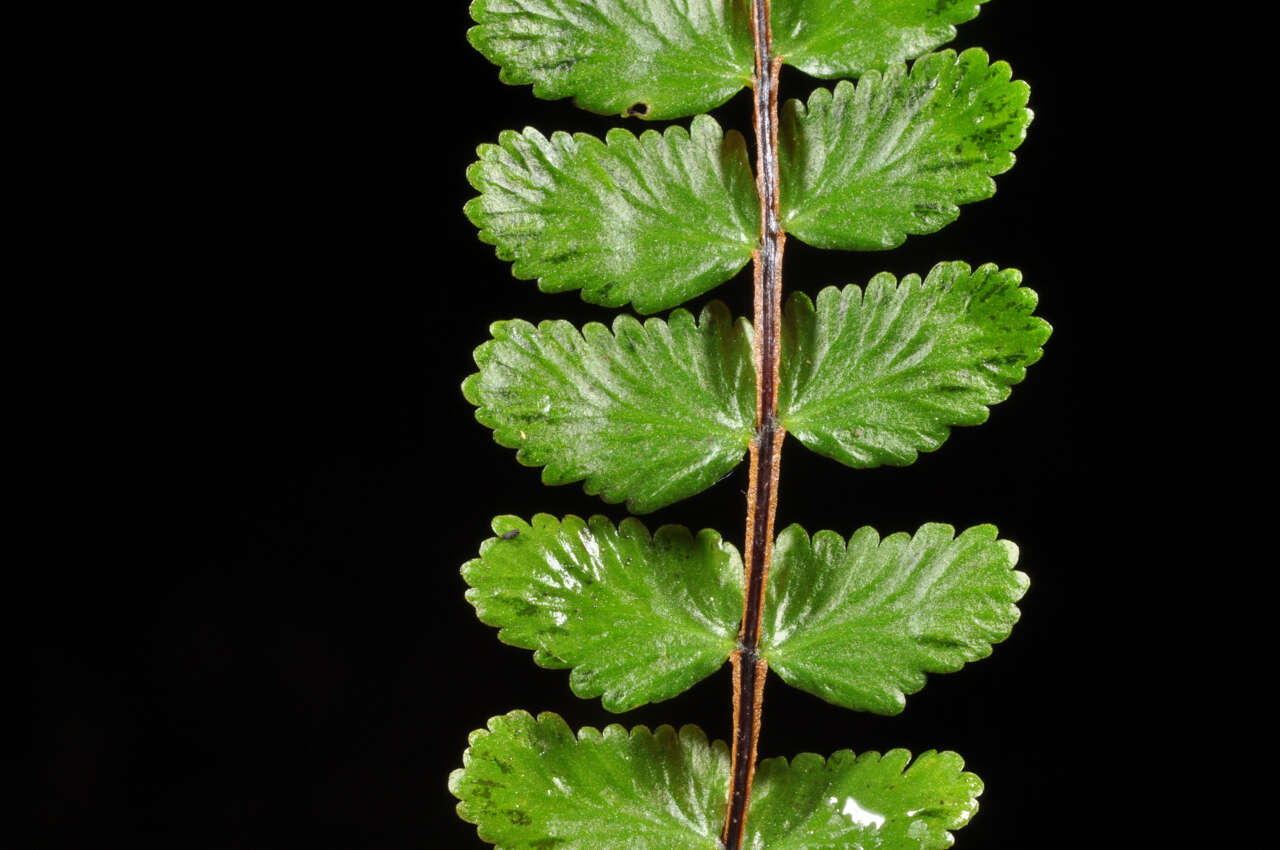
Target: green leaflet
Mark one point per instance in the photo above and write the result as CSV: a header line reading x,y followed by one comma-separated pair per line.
x,y
653,221
845,38
532,785
874,378
860,626
864,167
653,59
651,413
863,801
639,619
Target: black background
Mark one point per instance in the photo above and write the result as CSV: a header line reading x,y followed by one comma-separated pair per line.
x,y
266,645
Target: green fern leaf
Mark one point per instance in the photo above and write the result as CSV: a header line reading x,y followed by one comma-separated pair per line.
x,y
650,413
861,801
861,625
875,378
846,38
532,785
654,59
639,619
863,167
653,221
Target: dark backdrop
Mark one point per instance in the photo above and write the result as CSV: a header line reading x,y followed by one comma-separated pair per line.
x,y
268,645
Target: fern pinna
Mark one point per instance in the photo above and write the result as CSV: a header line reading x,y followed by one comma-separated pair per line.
x,y
648,413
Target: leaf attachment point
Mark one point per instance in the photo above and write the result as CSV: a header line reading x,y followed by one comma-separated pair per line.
x,y
863,167
874,378
639,619
532,785
652,221
653,59
861,625
649,414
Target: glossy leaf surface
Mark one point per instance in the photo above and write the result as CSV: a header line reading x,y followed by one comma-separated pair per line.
x,y
532,785
638,618
846,38
644,58
863,167
861,625
650,413
653,221
861,801
874,378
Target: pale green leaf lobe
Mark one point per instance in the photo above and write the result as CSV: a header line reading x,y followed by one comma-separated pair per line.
x,y
653,59
846,38
861,624
639,618
896,154
861,801
533,785
652,220
874,377
648,413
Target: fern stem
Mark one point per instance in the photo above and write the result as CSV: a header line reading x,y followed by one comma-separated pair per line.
x,y
749,669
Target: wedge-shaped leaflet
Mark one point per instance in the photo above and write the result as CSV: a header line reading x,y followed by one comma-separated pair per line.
x,y
860,626
846,38
653,221
874,378
862,801
649,413
864,167
645,58
531,785
638,618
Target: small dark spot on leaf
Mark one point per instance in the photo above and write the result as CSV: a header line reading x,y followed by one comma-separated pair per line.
x,y
640,108
511,535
